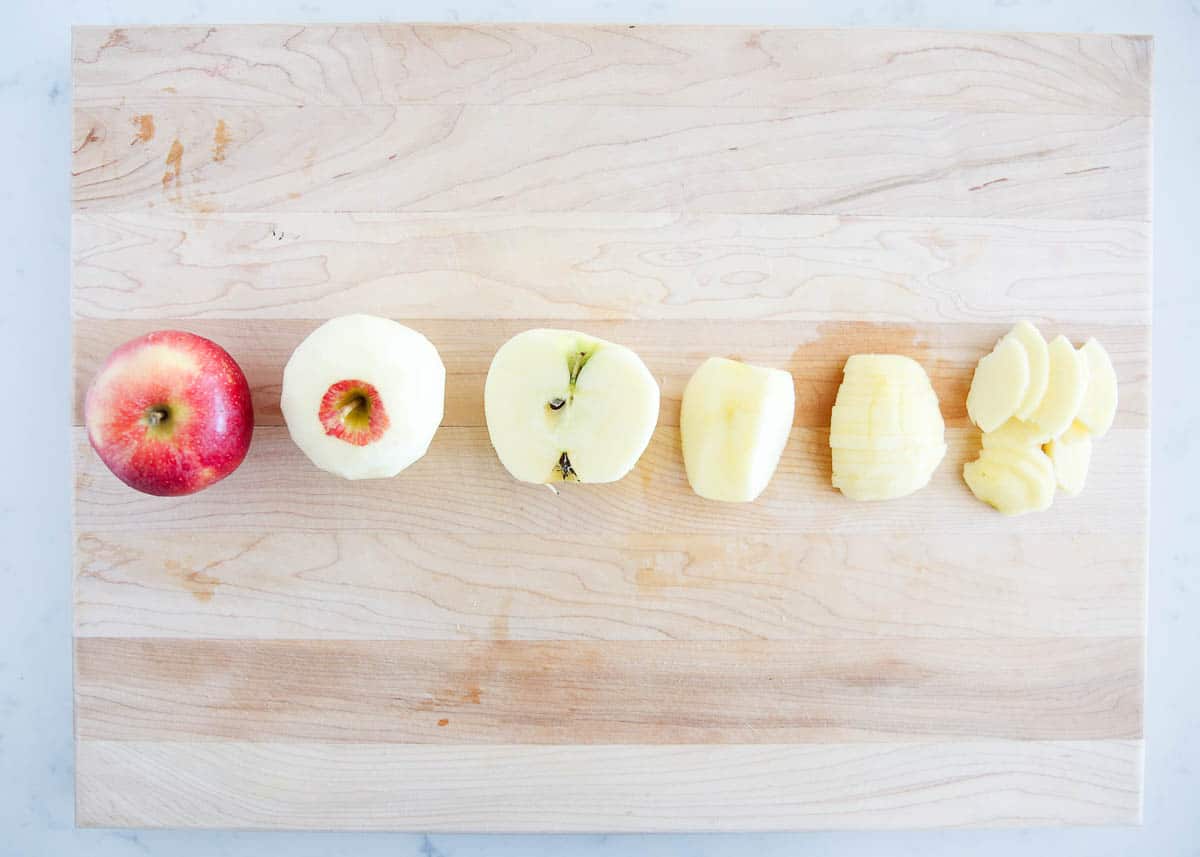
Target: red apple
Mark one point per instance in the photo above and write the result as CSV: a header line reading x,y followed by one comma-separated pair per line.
x,y
170,413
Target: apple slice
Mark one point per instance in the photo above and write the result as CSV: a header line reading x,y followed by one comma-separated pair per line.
x,y
1071,453
363,395
1064,392
1012,481
734,423
1099,404
886,432
885,474
1015,434
1038,355
999,384
561,405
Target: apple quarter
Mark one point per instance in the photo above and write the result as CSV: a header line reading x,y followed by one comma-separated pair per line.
x,y
734,424
363,396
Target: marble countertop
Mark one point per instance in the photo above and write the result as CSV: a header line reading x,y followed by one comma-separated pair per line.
x,y
36,813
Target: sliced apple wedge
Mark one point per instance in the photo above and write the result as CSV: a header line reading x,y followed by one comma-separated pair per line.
x,y
1064,392
1038,355
999,384
1099,404
1012,481
1071,453
1015,434
561,405
734,423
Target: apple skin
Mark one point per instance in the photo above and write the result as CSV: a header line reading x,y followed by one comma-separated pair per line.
x,y
169,413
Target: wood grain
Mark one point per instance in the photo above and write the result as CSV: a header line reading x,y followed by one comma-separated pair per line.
x,y
612,159
571,64
814,353
470,586
609,692
615,787
452,650
460,485
589,267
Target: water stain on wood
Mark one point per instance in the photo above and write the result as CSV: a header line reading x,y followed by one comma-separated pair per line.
x,y
144,123
221,140
174,164
202,586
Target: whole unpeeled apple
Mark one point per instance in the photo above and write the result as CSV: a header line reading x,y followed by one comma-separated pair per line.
x,y
733,424
363,396
169,413
562,405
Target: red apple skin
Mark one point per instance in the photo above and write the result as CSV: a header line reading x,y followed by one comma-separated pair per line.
x,y
169,413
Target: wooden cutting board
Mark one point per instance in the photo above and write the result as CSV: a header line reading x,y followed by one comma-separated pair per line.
x,y
452,650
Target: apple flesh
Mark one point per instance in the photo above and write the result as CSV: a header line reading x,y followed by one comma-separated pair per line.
x,y
565,406
1099,404
999,384
886,431
733,424
363,396
1037,355
169,413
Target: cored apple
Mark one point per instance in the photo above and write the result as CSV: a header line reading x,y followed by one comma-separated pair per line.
x,y
363,396
169,413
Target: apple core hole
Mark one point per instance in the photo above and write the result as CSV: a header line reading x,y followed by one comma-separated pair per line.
x,y
352,411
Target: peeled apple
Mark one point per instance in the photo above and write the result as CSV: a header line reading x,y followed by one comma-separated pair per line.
x,y
886,432
1038,418
734,423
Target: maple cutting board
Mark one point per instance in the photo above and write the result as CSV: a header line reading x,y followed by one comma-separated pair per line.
x,y
453,650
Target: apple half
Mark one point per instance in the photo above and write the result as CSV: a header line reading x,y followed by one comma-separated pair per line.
x,y
363,396
565,406
733,424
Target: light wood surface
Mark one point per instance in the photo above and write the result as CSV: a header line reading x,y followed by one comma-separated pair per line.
x,y
452,650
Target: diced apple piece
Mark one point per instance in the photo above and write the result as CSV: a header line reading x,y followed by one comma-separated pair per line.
x,y
1064,392
1037,353
999,384
1071,453
1099,403
734,423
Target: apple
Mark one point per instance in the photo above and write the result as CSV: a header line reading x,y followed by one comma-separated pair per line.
x,y
1012,480
1071,453
1099,404
999,384
169,413
886,431
1038,356
1068,381
363,396
565,406
733,424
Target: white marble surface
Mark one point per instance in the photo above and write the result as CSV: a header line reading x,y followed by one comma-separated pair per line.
x,y
35,658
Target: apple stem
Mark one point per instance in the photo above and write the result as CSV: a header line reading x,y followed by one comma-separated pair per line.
x,y
347,409
156,416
